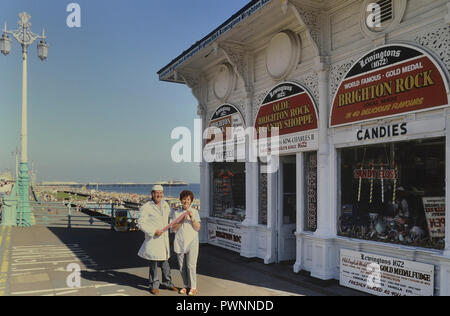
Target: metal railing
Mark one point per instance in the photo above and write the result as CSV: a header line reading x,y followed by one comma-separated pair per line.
x,y
81,214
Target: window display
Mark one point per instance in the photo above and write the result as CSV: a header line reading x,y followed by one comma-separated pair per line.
x,y
229,191
394,193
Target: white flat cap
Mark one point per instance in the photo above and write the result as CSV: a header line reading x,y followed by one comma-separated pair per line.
x,y
157,187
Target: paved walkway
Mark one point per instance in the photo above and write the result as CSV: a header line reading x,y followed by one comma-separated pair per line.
x,y
43,260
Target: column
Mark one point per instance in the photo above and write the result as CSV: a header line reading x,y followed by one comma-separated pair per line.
x,y
324,252
249,234
251,194
205,187
205,200
447,188
298,266
272,214
323,163
24,211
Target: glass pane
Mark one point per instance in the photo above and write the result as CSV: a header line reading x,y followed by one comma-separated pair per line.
x,y
229,191
289,194
395,193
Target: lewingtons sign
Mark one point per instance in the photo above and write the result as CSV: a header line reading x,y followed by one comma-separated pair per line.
x,y
390,80
289,108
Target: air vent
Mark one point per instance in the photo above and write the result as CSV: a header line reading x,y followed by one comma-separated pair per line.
x,y
386,10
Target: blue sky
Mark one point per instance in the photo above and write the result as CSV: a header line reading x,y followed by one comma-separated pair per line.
x,y
97,111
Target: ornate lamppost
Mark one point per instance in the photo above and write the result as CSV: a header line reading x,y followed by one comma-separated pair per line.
x,y
25,37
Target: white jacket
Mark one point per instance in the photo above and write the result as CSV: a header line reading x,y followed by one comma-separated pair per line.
x,y
150,220
186,237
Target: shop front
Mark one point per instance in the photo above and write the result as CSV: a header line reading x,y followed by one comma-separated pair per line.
x,y
289,110
363,183
225,153
389,130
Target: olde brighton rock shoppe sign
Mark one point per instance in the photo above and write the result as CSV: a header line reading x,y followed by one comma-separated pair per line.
x,y
290,108
391,80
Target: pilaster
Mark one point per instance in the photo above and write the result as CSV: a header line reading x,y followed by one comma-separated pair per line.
x,y
298,266
323,165
447,189
205,198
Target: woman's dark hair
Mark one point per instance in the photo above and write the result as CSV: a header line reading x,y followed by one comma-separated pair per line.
x,y
186,193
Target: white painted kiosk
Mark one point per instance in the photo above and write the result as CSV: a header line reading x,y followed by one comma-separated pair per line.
x,y
367,176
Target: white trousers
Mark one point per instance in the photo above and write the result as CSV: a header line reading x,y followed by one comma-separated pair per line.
x,y
188,267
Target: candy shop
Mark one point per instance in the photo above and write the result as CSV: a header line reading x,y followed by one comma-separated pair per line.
x,y
347,102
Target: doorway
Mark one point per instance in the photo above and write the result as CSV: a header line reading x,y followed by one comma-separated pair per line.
x,y
287,209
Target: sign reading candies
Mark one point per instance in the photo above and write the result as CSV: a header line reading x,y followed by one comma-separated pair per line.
x,y
388,81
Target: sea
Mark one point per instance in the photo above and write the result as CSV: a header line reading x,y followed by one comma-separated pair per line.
x,y
169,191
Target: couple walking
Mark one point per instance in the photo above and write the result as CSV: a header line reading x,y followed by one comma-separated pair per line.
x,y
154,222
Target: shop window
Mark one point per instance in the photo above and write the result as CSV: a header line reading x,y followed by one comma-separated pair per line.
x,y
310,165
394,193
229,191
263,197
289,193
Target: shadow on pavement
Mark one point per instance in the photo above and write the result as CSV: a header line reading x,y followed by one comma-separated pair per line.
x,y
116,277
115,256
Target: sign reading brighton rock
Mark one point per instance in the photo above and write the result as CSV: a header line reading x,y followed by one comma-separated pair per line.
x,y
290,108
226,120
391,80
225,236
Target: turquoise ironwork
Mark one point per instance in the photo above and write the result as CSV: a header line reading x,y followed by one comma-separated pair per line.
x,y
25,37
9,208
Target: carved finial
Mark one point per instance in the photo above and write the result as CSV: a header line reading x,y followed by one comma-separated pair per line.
x,y
24,19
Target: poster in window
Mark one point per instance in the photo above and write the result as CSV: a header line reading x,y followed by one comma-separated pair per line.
x,y
434,208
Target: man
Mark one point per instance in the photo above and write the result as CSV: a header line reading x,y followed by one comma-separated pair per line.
x,y
154,216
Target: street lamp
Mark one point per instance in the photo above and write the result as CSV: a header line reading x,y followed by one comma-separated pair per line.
x,y
25,37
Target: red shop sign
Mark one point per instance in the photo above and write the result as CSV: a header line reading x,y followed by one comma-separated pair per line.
x,y
388,81
289,107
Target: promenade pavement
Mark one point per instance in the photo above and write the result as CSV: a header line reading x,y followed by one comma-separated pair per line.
x,y
42,261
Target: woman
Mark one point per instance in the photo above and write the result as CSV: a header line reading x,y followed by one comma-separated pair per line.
x,y
186,242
